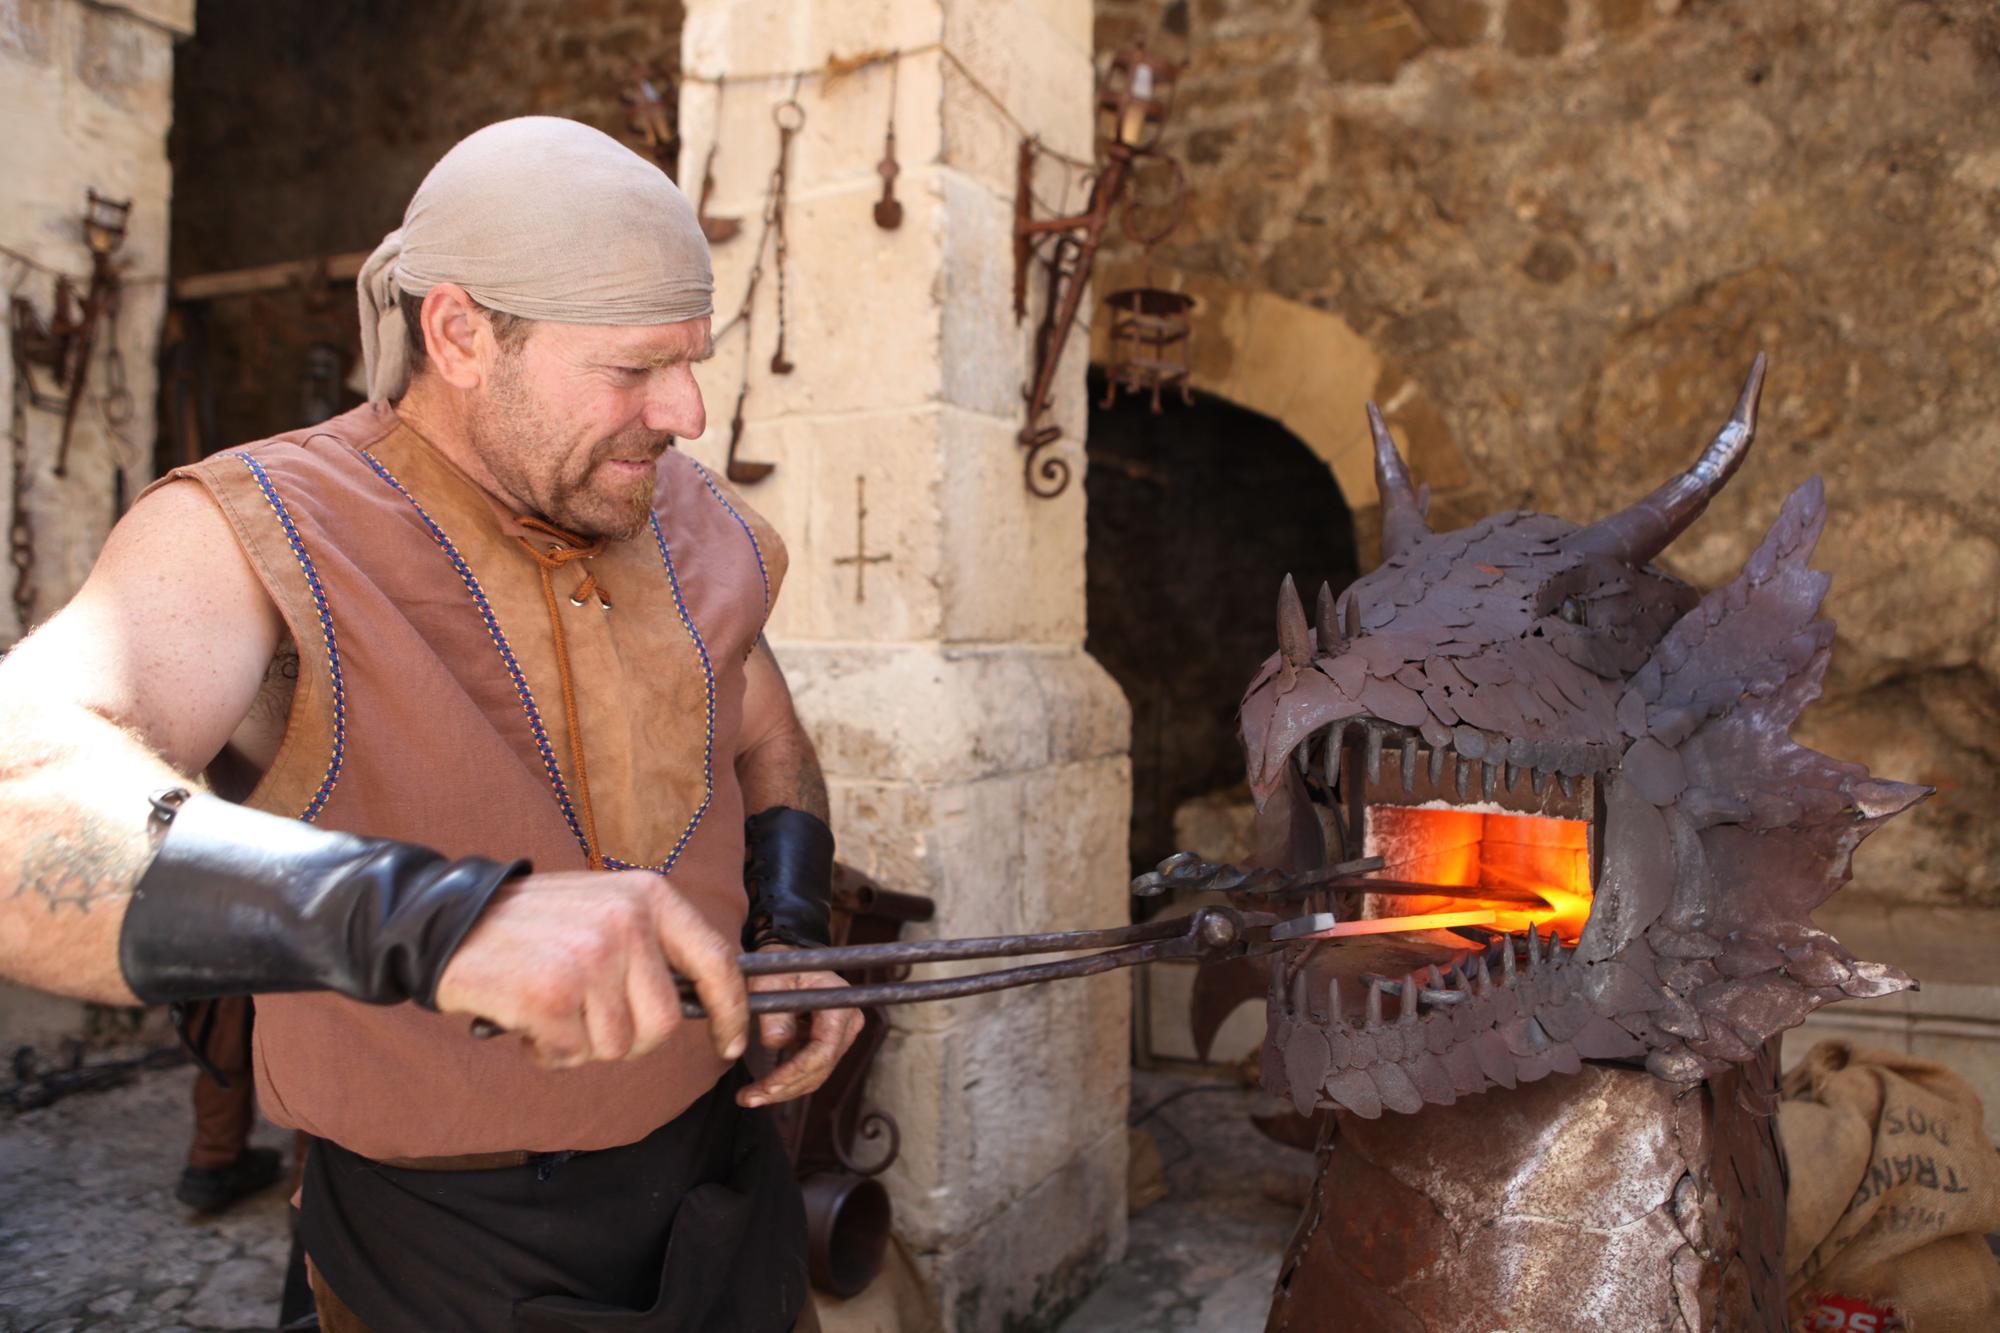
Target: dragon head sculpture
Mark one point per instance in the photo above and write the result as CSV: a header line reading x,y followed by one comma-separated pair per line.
x,y
1527,715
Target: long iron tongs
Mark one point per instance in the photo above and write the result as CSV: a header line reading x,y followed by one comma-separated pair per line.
x,y
1208,934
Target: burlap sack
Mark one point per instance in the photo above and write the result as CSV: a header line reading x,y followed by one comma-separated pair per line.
x,y
1893,1187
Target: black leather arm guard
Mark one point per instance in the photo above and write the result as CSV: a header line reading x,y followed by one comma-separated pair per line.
x,y
237,902
788,872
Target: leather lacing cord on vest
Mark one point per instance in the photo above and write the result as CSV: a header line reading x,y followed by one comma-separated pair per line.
x,y
566,548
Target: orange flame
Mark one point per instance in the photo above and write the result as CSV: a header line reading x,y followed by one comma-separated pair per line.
x,y
1537,868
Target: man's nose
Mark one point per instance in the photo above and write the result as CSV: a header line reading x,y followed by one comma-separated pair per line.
x,y
674,406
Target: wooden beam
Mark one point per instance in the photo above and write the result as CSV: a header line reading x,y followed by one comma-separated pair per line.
x,y
269,277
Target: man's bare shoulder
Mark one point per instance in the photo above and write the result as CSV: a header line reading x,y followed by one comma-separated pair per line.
x,y
170,635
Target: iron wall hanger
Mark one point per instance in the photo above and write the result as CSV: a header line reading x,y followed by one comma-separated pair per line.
x,y
1132,107
60,348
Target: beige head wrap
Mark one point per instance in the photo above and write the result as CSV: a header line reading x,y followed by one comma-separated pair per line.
x,y
542,218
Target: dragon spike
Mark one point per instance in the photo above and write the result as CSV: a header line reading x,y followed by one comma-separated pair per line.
x,y
1374,1009
1407,1011
1294,635
1640,532
1507,957
1402,512
1483,978
1327,611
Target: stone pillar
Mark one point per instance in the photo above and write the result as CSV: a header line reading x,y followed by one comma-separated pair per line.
x,y
934,641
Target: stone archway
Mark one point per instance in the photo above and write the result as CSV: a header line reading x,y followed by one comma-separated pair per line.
x,y
1195,516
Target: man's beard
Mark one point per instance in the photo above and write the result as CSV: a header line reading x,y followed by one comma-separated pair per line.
x,y
532,458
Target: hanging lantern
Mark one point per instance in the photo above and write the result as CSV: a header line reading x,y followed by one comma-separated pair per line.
x,y
104,222
1149,343
1134,99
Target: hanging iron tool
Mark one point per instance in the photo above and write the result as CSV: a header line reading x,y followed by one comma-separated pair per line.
x,y
717,230
888,209
790,118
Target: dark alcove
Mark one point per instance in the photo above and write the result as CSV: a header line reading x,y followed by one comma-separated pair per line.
x,y
1195,518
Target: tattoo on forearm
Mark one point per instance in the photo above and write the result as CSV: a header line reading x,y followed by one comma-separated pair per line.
x,y
93,862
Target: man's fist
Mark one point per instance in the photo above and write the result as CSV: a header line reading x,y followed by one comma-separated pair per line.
x,y
581,964
832,1032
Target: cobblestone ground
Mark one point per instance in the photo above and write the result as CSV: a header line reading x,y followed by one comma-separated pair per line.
x,y
1205,1258
92,1238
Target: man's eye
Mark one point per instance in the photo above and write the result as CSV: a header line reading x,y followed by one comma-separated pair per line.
x,y
629,372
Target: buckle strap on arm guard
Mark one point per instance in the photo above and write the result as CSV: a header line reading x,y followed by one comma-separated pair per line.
x,y
788,873
238,902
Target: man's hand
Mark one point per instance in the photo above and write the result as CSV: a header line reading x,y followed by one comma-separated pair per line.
x,y
581,964
833,1031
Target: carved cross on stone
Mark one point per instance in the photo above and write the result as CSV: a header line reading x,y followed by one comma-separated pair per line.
x,y
862,557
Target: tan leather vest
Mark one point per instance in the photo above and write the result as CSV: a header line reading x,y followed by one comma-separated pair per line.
x,y
429,708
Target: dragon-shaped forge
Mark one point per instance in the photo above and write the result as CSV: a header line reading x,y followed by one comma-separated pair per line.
x,y
1528,715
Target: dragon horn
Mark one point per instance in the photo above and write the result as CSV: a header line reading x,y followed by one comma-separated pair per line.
x,y
1294,636
1402,511
1638,533
1328,622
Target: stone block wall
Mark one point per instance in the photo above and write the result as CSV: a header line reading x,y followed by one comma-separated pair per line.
x,y
86,98
86,91
1558,230
975,753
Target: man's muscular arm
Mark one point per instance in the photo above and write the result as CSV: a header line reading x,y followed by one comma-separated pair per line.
x,y
138,681
777,765
778,768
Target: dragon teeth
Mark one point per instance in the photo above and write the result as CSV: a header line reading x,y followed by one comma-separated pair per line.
x,y
1406,1013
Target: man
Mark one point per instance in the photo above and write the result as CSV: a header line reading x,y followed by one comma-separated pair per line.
x,y
499,619
222,1167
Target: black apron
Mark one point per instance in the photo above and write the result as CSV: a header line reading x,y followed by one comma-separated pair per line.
x,y
697,1228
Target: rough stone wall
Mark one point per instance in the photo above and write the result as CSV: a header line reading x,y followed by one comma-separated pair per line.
x,y
305,126
1564,226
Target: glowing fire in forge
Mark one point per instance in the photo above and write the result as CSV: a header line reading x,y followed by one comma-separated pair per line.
x,y
1530,870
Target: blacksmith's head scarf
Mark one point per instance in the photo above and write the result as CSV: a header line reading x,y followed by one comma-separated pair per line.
x,y
543,218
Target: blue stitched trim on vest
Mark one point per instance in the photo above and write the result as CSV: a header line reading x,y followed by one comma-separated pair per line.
x,y
284,517
534,715
755,549
708,679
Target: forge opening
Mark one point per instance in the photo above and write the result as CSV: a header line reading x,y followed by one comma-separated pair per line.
x,y
1532,871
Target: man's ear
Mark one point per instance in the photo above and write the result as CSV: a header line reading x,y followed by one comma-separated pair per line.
x,y
452,322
